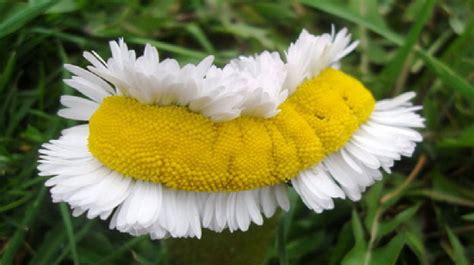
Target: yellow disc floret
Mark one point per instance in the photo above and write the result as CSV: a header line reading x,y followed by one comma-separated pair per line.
x,y
185,150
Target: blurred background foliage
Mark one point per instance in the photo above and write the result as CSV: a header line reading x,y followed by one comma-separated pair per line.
x,y
423,213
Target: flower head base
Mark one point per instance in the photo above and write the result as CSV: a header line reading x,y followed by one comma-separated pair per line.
x,y
169,150
187,151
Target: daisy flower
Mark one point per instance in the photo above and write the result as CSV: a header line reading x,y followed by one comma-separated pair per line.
x,y
168,150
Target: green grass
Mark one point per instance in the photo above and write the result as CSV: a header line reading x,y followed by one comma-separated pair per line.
x,y
423,213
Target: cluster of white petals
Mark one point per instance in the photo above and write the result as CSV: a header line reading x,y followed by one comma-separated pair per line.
x,y
252,86
384,138
310,54
139,207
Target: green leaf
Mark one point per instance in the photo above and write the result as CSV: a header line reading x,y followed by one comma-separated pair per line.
x,y
361,254
343,244
413,10
393,69
371,199
468,217
388,254
394,222
459,54
17,20
444,184
304,245
33,134
413,233
342,11
360,250
63,6
459,256
465,139
446,74
280,11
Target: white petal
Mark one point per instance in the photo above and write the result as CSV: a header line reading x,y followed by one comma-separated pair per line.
x,y
82,73
310,54
381,140
88,89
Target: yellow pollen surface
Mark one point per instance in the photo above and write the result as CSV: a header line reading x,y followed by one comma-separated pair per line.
x,y
187,151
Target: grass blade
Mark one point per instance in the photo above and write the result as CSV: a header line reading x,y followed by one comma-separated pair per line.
x,y
390,225
392,71
343,12
124,248
360,253
468,217
19,19
69,232
447,75
443,197
15,204
458,249
53,241
201,37
16,241
7,72
170,48
389,254
444,72
82,232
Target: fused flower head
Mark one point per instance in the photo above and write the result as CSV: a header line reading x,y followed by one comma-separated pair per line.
x,y
167,150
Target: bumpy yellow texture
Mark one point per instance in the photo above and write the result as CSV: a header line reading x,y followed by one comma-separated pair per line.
x,y
184,150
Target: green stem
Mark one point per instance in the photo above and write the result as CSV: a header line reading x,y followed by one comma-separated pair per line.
x,y
235,248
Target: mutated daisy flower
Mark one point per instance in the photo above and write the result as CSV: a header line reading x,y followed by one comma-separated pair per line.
x,y
168,150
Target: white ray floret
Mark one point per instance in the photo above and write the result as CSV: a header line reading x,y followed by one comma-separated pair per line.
x,y
310,54
253,86
247,85
384,138
139,207
264,75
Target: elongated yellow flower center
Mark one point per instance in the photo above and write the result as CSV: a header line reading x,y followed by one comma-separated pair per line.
x,y
185,150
